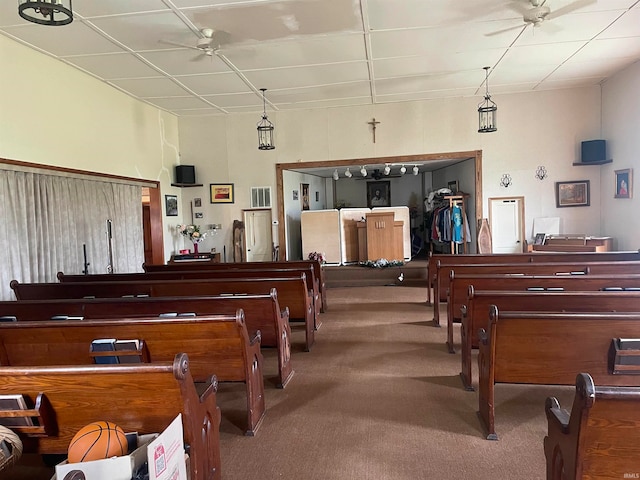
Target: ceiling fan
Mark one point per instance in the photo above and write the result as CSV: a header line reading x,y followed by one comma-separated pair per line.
x,y
535,12
208,43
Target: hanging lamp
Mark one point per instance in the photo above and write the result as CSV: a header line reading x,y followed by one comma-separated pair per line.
x,y
487,110
265,128
46,12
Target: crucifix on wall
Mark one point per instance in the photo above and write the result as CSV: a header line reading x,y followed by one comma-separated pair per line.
x,y
373,123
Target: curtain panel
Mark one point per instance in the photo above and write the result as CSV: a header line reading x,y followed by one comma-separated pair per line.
x,y
48,219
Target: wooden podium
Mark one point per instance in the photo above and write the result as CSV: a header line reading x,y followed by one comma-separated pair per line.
x,y
380,237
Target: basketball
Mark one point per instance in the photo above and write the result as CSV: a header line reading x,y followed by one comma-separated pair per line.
x,y
96,441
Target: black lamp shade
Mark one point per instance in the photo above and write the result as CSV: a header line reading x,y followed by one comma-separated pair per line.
x,y
46,12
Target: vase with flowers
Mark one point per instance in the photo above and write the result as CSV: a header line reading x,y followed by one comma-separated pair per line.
x,y
193,233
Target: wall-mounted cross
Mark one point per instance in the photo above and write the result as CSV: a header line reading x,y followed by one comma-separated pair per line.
x,y
373,123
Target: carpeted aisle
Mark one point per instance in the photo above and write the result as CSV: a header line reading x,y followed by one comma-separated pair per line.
x,y
378,397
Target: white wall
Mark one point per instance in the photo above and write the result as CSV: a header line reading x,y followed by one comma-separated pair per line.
x,y
620,123
81,123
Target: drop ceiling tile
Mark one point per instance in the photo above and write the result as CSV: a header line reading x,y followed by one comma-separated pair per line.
x,y
545,54
310,75
504,75
603,67
245,110
215,83
423,83
304,51
236,100
414,96
197,112
508,88
150,87
425,65
569,83
301,95
9,15
91,8
146,31
184,61
73,39
625,26
328,103
114,65
174,103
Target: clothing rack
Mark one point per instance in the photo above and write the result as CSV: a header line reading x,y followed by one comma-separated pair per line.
x,y
459,201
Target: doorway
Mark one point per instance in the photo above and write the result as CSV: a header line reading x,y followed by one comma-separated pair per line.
x,y
506,217
258,239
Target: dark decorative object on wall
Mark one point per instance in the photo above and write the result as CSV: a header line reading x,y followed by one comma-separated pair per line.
x,y
171,205
624,183
573,194
506,181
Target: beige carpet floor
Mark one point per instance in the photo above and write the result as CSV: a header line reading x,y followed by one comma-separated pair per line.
x,y
379,398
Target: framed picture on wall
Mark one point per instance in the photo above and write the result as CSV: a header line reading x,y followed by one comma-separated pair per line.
x,y
379,194
624,183
304,188
573,194
221,192
171,205
453,186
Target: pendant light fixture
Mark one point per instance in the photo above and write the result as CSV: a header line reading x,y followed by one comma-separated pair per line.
x,y
265,128
46,12
487,110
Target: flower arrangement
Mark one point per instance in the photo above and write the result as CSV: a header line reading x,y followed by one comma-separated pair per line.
x,y
192,232
316,256
381,263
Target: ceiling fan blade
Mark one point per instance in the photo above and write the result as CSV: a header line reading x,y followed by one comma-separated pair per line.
x,y
177,44
498,32
572,7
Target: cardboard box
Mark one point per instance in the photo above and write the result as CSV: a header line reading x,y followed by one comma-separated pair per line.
x,y
114,468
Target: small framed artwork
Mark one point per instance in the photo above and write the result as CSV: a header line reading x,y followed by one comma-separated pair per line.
x,y
453,186
540,238
624,183
171,205
573,194
198,215
317,196
379,194
197,202
221,192
295,195
304,187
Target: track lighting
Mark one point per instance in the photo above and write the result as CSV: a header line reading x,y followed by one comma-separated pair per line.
x,y
416,170
348,173
387,169
363,171
335,174
403,170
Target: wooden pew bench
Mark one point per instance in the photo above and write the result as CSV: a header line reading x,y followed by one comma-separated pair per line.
x,y
531,257
262,313
217,345
292,292
475,315
550,349
459,288
318,270
599,438
552,268
141,398
220,272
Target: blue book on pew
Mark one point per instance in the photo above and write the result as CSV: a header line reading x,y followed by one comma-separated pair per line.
x,y
104,345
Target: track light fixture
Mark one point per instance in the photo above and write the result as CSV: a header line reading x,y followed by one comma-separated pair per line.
x,y
46,12
415,170
363,171
335,174
387,169
403,170
487,110
348,173
265,128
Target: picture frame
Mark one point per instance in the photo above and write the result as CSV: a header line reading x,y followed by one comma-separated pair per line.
x,y
453,186
624,183
573,194
199,215
379,194
221,193
171,205
304,188
539,238
197,202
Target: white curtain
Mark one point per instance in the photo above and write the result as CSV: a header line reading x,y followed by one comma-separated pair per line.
x,y
46,219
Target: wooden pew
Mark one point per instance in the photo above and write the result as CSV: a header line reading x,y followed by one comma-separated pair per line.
x,y
531,257
318,270
230,272
548,348
141,398
459,288
599,438
292,292
475,315
217,345
552,268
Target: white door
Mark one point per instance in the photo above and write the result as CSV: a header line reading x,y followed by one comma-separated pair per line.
x,y
507,227
258,239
